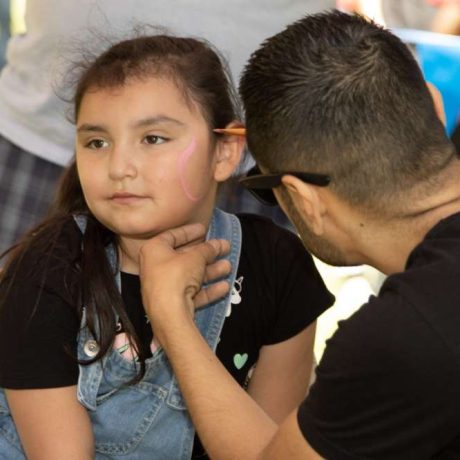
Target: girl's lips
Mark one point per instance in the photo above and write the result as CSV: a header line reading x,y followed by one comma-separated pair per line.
x,y
125,197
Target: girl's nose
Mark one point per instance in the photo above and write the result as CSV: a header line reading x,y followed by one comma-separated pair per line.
x,y
121,164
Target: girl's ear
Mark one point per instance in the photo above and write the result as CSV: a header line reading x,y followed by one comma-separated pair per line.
x,y
229,149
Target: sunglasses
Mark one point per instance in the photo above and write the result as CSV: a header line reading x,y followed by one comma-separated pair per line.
x,y
261,185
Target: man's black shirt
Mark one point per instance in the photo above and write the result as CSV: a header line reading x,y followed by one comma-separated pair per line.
x,y
388,385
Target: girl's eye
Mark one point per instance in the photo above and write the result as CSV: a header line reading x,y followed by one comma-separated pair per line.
x,y
152,139
97,144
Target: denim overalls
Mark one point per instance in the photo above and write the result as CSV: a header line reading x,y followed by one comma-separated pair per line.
x,y
147,420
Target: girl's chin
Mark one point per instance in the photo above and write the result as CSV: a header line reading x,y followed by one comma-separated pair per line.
x,y
140,230
134,234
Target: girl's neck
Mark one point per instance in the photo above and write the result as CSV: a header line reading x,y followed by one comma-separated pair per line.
x,y
128,254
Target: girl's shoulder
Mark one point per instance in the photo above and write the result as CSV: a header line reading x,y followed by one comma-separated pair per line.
x,y
49,257
262,234
278,279
39,310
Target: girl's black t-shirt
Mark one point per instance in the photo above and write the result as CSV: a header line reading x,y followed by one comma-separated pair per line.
x,y
278,292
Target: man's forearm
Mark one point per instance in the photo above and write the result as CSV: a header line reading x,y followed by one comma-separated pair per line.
x,y
230,424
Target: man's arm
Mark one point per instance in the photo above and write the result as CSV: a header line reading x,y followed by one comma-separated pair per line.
x,y
230,424
282,374
289,442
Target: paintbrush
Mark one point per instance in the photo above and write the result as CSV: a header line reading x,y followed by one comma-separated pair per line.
x,y
231,131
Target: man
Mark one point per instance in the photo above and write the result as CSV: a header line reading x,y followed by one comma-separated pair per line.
x,y
341,98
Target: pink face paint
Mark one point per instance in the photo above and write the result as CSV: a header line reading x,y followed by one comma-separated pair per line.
x,y
182,161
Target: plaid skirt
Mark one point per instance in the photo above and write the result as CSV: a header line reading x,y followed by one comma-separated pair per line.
x,y
27,187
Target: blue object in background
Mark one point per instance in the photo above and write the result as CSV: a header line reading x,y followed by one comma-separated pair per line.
x,y
439,58
441,66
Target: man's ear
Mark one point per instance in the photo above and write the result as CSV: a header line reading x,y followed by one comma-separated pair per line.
x,y
437,100
307,201
228,153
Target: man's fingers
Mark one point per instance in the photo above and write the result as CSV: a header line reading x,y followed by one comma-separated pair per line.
x,y
187,238
181,236
213,249
210,250
211,293
217,270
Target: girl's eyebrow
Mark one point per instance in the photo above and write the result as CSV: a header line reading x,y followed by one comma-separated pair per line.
x,y
144,122
157,120
92,128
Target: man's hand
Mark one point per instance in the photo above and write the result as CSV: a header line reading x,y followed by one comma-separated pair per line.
x,y
173,267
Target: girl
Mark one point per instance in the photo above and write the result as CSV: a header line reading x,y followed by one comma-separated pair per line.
x,y
80,371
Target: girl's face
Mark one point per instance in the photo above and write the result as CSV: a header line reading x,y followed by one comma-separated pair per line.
x,y
144,158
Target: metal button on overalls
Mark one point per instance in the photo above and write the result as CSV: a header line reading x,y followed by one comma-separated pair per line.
x,y
91,348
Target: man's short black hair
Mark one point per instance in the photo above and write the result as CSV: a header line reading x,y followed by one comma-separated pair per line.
x,y
337,94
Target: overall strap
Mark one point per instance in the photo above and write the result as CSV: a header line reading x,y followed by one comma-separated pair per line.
x,y
210,319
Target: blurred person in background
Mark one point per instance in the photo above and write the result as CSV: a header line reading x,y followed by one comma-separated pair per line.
x,y
442,16
4,28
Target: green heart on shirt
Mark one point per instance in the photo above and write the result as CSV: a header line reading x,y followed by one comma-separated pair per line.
x,y
240,360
